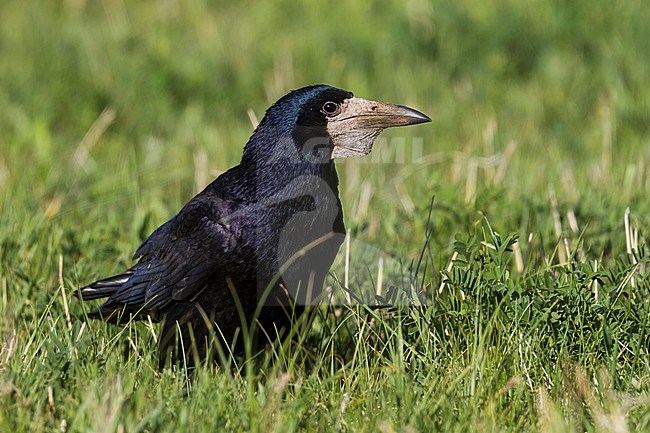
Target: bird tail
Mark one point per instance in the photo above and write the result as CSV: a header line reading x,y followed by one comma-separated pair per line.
x,y
112,311
106,287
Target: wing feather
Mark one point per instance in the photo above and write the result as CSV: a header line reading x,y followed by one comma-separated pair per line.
x,y
175,262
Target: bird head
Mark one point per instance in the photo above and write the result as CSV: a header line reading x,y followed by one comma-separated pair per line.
x,y
324,123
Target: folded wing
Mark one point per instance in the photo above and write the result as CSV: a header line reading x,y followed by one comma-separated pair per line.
x,y
174,264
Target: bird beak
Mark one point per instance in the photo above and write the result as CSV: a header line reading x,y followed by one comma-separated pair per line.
x,y
353,131
380,115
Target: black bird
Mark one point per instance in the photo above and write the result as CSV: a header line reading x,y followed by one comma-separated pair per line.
x,y
262,235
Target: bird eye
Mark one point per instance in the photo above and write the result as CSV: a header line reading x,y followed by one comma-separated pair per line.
x,y
331,108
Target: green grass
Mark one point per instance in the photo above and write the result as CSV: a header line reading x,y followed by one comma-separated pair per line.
x,y
113,113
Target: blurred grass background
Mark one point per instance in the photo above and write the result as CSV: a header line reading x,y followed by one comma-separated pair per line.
x,y
564,84
114,113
